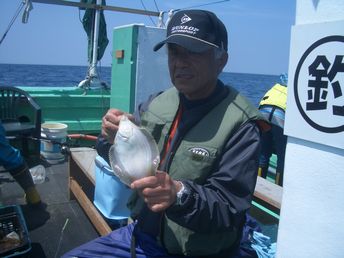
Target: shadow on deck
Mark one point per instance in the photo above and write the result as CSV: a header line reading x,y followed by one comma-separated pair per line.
x,y
45,225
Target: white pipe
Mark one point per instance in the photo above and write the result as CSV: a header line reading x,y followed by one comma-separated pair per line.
x,y
93,70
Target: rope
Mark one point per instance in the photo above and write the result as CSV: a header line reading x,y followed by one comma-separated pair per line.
x,y
210,3
20,7
172,11
150,17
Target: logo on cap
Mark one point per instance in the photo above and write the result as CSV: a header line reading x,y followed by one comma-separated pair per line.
x,y
185,19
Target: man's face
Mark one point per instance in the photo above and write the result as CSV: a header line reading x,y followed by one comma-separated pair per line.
x,y
193,74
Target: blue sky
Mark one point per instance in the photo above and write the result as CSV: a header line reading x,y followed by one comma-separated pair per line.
x,y
259,32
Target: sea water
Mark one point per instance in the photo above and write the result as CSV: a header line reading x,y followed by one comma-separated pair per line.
x,y
252,86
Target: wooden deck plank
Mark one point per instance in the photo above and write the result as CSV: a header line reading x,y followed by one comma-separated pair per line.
x,y
82,185
97,220
268,192
84,158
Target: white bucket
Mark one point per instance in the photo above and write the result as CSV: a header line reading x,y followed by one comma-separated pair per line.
x,y
52,134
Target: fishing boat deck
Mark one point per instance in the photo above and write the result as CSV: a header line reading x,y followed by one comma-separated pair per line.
x,y
60,224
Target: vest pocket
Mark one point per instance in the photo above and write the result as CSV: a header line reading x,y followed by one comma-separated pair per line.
x,y
193,163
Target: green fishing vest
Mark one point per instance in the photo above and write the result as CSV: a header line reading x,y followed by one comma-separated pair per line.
x,y
276,96
208,136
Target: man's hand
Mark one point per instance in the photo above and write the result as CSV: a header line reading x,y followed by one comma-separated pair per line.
x,y
159,191
110,123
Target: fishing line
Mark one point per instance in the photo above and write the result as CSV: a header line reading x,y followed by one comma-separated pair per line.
x,y
64,145
156,6
195,6
210,3
20,7
61,237
150,17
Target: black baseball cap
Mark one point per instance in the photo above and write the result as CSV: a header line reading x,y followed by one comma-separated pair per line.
x,y
195,30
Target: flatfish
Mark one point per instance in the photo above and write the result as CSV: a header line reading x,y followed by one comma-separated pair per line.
x,y
134,154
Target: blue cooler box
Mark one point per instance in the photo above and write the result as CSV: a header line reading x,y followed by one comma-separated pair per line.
x,y
110,195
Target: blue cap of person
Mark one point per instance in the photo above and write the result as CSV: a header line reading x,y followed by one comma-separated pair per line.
x,y
195,30
284,79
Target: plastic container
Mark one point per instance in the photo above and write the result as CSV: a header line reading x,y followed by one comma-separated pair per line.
x,y
14,236
38,174
53,135
110,195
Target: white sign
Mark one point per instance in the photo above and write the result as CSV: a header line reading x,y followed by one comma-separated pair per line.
x,y
315,105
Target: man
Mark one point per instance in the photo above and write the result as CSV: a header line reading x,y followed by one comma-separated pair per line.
x,y
209,144
13,162
273,106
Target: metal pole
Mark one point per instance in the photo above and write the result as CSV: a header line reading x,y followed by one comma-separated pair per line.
x,y
93,67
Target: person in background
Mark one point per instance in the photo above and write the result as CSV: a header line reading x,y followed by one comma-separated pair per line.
x,y
209,141
13,162
273,106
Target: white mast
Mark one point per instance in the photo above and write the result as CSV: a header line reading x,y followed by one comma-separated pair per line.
x,y
92,81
